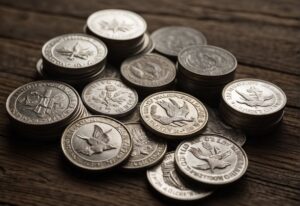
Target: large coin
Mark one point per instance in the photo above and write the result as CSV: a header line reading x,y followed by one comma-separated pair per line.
x,y
206,61
166,181
42,103
147,149
148,71
74,51
211,159
110,97
254,97
173,114
96,143
116,24
171,40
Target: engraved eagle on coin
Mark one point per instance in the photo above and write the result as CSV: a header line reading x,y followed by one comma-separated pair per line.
x,y
150,71
176,115
142,145
214,160
253,97
75,52
97,143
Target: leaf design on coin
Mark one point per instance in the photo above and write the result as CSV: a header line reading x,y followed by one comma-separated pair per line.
x,y
97,143
170,176
115,26
150,71
75,52
253,97
141,143
214,160
176,115
110,96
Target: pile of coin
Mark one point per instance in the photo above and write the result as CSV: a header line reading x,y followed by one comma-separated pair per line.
x,y
124,32
204,70
42,109
75,59
254,105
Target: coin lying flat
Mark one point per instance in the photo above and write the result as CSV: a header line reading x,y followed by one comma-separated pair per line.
x,y
96,143
164,179
173,115
110,97
147,149
171,40
116,24
148,71
211,159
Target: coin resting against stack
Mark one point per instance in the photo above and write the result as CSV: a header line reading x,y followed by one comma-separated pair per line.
x,y
118,131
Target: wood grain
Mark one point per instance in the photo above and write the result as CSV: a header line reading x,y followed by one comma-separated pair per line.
x,y
263,35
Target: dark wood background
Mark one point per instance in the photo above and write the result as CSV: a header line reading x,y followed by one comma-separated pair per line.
x,y
263,35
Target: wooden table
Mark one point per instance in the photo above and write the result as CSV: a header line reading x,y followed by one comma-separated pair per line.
x,y
263,35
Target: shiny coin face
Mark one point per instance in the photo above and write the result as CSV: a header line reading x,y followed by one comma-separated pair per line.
x,y
109,97
254,97
74,51
207,60
166,181
211,159
216,126
173,115
42,102
147,149
96,143
148,71
116,24
171,40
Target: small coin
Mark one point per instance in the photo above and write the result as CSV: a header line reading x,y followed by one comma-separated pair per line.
x,y
147,149
174,115
254,97
96,143
216,126
148,71
206,60
110,97
165,180
116,24
42,103
74,51
171,40
211,159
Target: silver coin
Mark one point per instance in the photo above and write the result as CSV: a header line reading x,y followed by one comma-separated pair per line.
x,y
74,51
173,114
206,60
110,97
96,143
147,150
148,71
116,24
42,103
254,97
171,40
216,126
165,180
211,159
134,117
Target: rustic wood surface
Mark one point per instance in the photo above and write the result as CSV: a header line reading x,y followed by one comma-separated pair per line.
x,y
263,35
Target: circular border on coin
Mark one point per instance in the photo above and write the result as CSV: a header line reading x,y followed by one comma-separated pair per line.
x,y
192,172
84,163
156,127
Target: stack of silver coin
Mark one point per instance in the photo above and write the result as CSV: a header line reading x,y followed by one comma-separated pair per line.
x,y
204,70
124,32
254,105
42,109
73,58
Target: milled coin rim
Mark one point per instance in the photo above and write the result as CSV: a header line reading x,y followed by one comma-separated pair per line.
x,y
258,80
107,114
173,136
67,155
181,170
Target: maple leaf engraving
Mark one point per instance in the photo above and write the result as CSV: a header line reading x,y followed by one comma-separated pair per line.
x,y
115,26
75,52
